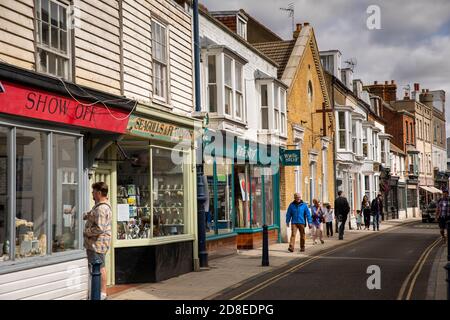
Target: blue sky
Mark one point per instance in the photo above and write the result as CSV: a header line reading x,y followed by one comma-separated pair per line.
x,y
413,44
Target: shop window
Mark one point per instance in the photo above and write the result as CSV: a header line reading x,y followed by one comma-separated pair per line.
x,y
5,244
412,198
242,197
268,199
31,185
219,215
401,198
168,180
148,179
160,60
257,197
65,184
53,38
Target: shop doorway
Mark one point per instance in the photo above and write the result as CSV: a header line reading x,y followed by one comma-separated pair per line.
x,y
104,175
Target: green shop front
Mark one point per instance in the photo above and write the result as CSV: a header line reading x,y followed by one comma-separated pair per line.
x,y
243,187
152,176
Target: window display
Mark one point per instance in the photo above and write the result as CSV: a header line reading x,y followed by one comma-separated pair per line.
x,y
150,203
31,182
257,198
242,188
4,232
168,194
65,183
268,198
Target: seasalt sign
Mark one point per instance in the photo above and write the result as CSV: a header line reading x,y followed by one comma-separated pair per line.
x,y
33,103
158,130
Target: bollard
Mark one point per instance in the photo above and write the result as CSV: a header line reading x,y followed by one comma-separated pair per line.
x,y
96,282
265,248
448,261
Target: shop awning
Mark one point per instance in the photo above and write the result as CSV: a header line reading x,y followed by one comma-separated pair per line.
x,y
435,190
426,188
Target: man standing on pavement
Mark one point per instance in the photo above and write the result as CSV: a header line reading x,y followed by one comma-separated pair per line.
x,y
297,214
97,230
341,208
443,213
377,211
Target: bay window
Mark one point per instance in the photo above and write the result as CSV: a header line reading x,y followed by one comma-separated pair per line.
x,y
273,107
264,107
228,88
160,60
212,84
239,90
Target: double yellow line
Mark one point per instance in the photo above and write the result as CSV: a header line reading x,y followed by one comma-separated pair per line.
x,y
410,281
284,274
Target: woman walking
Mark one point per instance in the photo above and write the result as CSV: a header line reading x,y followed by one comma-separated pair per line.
x,y
366,211
317,219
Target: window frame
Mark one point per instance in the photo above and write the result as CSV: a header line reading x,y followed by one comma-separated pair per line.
x,y
215,84
342,130
266,107
78,252
163,64
40,46
241,23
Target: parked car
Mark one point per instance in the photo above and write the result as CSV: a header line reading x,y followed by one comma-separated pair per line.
x,y
429,212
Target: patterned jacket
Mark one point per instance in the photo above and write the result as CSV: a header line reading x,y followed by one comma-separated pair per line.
x,y
97,230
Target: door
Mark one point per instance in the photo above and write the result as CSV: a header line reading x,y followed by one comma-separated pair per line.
x,y
104,175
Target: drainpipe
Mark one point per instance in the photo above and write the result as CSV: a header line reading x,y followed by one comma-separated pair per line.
x,y
201,196
334,140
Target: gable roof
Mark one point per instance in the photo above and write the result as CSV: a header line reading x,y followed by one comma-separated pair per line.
x,y
278,51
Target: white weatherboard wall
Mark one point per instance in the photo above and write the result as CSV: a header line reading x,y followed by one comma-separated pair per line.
x,y
255,62
61,281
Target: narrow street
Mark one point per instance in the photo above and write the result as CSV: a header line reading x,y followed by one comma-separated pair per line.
x,y
404,255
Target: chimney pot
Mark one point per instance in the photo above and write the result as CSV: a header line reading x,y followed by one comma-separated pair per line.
x,y
375,82
306,24
428,91
386,82
299,27
392,81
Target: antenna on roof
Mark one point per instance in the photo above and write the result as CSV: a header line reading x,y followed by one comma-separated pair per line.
x,y
290,10
351,63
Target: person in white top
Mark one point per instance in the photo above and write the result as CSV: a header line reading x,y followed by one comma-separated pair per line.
x,y
329,217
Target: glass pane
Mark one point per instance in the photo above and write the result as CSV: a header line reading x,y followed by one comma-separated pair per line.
x,y
133,191
44,10
169,199
211,69
342,143
276,102
31,193
238,76
51,63
264,98
43,60
54,38
228,100
54,14
268,191
63,41
276,120
283,100
227,62
224,198
62,18
209,206
341,120
283,123
239,105
65,186
157,78
5,244
45,33
264,118
212,98
257,198
242,188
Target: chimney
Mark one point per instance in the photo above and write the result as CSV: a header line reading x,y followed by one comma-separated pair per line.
x,y
297,31
386,82
386,91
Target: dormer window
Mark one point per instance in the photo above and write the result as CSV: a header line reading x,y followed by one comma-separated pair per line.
x,y
241,27
273,107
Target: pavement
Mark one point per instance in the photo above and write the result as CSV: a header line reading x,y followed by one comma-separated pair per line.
x,y
233,272
437,286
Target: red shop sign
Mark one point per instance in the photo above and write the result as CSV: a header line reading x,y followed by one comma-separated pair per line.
x,y
34,103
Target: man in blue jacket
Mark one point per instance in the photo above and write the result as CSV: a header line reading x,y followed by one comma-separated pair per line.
x,y
297,214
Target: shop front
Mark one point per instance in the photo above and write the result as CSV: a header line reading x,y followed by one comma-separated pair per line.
x,y
152,172
45,127
243,190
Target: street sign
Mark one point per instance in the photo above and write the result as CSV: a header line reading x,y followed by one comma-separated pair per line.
x,y
290,157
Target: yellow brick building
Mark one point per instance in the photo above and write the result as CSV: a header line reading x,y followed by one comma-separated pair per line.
x,y
301,70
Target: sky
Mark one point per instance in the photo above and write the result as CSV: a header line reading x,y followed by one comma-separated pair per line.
x,y
411,46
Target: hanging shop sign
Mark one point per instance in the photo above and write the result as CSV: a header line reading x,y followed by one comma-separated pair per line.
x,y
290,157
27,102
153,129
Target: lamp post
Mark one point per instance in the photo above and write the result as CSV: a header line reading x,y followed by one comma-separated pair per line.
x,y
201,196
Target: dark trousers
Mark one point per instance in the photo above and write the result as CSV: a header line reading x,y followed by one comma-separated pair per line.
x,y
329,228
376,221
367,220
337,225
342,222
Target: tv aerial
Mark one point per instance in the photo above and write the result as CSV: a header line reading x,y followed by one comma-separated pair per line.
x,y
351,63
290,11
